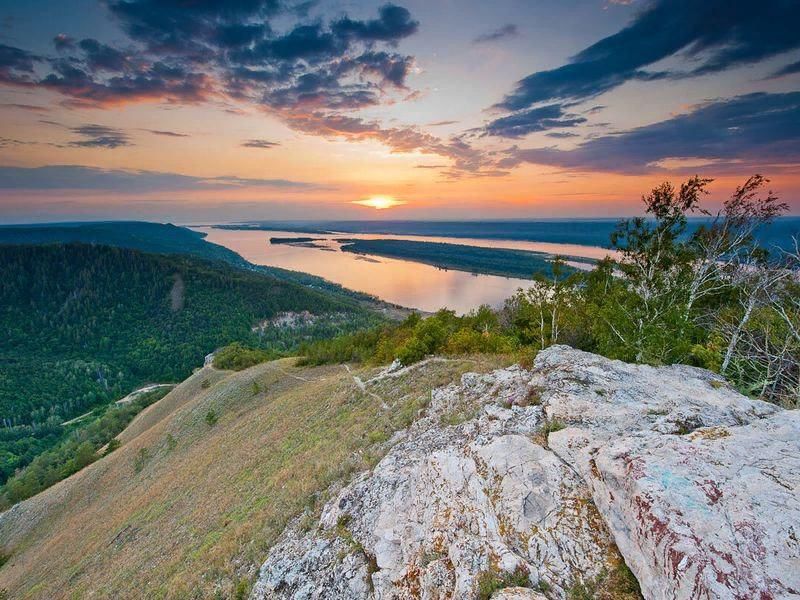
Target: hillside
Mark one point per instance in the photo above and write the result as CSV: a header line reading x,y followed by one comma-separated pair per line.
x,y
582,477
136,235
162,238
184,508
84,325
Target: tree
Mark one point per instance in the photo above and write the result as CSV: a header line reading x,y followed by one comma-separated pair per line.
x,y
655,265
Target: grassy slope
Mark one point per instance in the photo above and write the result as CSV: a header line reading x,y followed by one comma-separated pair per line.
x,y
492,261
199,517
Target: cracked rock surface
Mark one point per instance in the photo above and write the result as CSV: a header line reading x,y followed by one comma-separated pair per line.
x,y
695,484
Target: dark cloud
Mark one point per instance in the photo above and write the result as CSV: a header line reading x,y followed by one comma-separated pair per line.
x,y
392,25
63,42
505,32
28,107
542,118
307,74
156,83
101,57
185,28
256,143
193,52
789,69
302,9
99,136
16,65
77,177
165,133
441,123
561,135
754,129
8,142
714,35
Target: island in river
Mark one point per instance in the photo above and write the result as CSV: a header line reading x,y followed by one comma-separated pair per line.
x,y
504,262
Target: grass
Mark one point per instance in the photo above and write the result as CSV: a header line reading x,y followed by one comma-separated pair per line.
x,y
207,503
492,580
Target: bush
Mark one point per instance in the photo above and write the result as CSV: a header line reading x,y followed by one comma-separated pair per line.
x,y
236,357
491,581
211,418
112,445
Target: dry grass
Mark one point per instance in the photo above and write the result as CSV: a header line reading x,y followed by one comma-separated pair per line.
x,y
188,510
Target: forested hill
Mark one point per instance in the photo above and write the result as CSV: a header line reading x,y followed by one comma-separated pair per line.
x,y
83,325
161,238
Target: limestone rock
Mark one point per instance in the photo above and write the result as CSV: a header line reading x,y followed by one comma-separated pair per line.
x,y
696,484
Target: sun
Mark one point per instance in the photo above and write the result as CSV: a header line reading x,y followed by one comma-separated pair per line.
x,y
379,202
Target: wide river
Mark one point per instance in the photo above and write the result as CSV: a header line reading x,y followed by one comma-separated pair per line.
x,y
402,282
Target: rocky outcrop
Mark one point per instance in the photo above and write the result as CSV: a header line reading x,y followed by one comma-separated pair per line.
x,y
532,479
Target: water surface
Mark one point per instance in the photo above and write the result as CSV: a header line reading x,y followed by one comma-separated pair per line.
x,y
406,283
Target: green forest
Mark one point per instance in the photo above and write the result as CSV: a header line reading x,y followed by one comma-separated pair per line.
x,y
84,325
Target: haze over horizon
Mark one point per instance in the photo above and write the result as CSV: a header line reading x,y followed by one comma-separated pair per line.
x,y
214,111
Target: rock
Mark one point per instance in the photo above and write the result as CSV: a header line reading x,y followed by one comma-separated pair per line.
x,y
696,484
517,593
450,503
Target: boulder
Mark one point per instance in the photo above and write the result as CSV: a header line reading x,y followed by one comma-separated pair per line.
x,y
522,480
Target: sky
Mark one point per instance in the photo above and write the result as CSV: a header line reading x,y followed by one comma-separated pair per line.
x,y
197,111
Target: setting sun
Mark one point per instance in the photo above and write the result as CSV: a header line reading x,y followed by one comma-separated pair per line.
x,y
379,202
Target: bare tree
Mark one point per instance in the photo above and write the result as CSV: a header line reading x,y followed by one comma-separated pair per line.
x,y
721,246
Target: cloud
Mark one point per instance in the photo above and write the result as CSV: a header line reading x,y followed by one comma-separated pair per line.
x,y
16,65
76,177
441,123
753,129
165,133
713,35
308,74
266,144
561,134
789,69
465,157
101,57
100,136
63,42
196,52
542,118
393,24
505,32
27,107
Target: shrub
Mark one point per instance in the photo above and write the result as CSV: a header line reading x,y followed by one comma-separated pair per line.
x,y
211,418
236,356
490,581
112,445
141,459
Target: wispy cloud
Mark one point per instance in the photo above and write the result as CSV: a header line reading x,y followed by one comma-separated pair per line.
x,y
77,177
715,34
258,143
503,33
100,136
166,133
749,130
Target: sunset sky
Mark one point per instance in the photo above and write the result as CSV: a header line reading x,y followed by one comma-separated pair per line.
x,y
204,110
